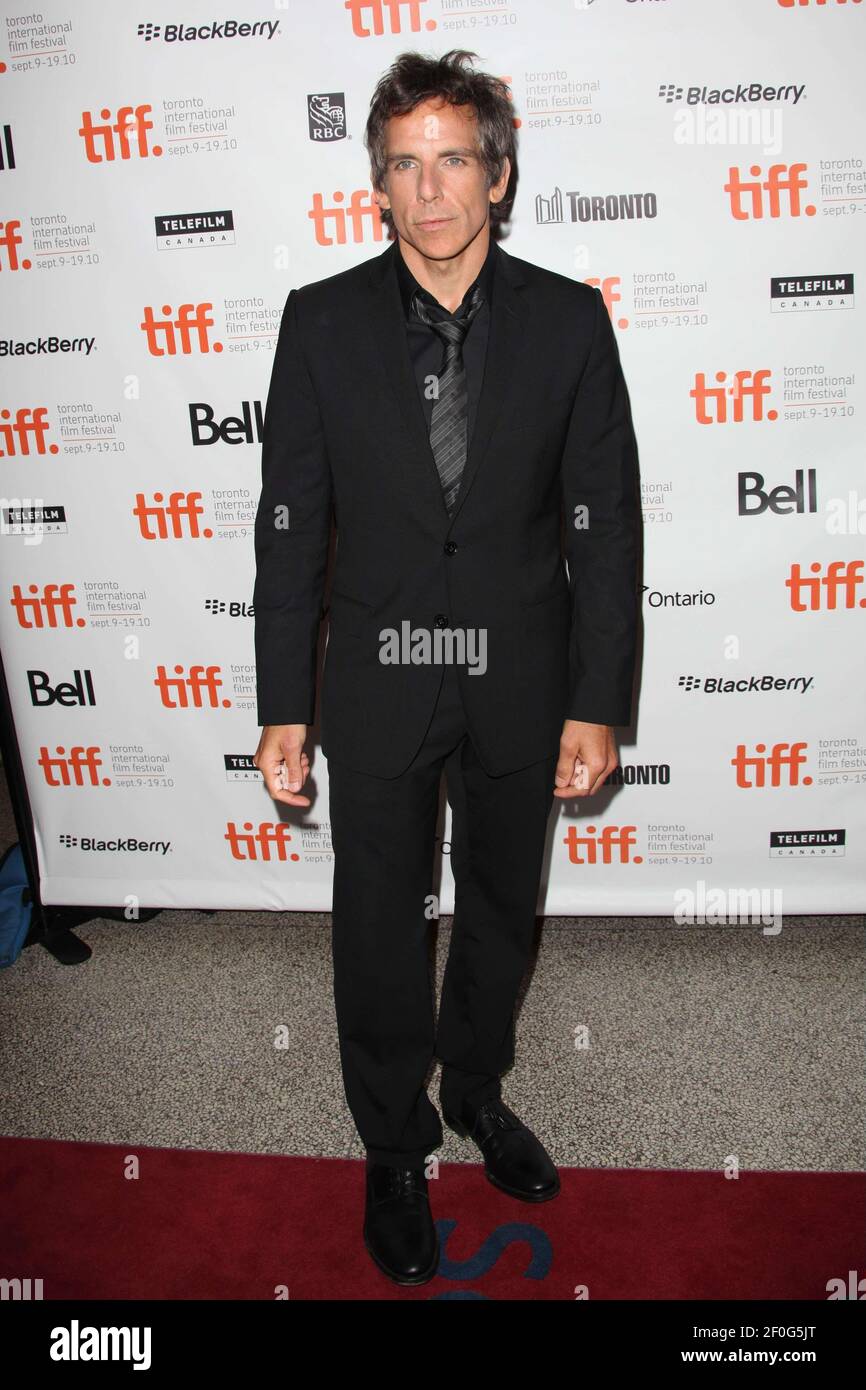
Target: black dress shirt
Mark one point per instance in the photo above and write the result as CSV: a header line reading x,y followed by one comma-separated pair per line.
x,y
426,348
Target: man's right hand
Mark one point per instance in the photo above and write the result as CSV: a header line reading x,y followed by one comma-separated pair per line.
x,y
281,760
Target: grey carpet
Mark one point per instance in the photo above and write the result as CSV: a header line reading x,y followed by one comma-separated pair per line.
x,y
704,1041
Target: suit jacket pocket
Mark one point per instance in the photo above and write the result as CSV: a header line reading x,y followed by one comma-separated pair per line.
x,y
539,414
349,615
548,618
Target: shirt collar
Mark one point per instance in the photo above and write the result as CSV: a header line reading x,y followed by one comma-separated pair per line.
x,y
408,284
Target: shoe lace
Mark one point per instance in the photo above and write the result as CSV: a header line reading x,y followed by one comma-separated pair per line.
x,y
403,1180
493,1110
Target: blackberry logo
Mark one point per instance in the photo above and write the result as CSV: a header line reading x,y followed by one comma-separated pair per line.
x,y
126,845
717,685
218,29
235,608
743,93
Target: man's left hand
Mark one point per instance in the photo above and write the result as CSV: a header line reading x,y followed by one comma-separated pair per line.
x,y
587,755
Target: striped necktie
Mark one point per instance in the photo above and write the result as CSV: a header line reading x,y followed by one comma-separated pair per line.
x,y
448,423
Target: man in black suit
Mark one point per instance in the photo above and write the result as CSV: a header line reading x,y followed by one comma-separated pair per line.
x,y
463,416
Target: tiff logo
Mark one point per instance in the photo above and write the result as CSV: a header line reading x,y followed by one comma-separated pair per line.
x,y
67,769
781,178
131,126
846,575
375,11
16,434
170,517
361,213
190,690
170,331
43,609
609,846
9,242
766,769
250,844
747,386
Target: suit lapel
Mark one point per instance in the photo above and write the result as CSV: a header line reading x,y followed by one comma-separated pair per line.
x,y
386,323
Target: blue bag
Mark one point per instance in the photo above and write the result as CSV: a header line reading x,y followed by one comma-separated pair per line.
x,y
16,906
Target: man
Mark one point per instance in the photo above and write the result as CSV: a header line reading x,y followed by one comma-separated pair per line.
x,y
452,406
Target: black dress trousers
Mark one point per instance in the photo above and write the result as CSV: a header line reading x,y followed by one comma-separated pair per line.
x,y
383,834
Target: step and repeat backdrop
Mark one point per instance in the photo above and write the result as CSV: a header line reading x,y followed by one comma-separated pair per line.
x,y
170,172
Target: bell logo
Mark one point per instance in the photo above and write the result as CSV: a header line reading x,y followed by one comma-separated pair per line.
x,y
163,335
374,11
130,130
747,196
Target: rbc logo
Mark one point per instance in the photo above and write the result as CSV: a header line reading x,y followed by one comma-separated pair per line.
x,y
326,113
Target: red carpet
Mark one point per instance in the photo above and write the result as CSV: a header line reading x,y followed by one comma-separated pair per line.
x,y
197,1225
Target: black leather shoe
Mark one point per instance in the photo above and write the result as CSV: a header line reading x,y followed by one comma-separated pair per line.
x,y
398,1228
514,1160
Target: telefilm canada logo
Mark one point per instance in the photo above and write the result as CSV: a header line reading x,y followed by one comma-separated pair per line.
x,y
326,116
807,844
177,231
34,519
807,293
239,767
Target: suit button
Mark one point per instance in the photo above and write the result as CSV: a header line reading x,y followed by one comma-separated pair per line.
x,y
441,619
450,547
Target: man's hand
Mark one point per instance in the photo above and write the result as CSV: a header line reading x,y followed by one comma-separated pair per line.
x,y
283,763
587,754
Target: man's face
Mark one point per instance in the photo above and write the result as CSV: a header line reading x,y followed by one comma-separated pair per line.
x,y
434,181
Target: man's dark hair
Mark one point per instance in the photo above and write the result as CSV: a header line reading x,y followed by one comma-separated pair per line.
x,y
413,79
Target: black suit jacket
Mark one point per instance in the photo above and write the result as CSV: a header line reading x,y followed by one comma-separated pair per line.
x,y
344,433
